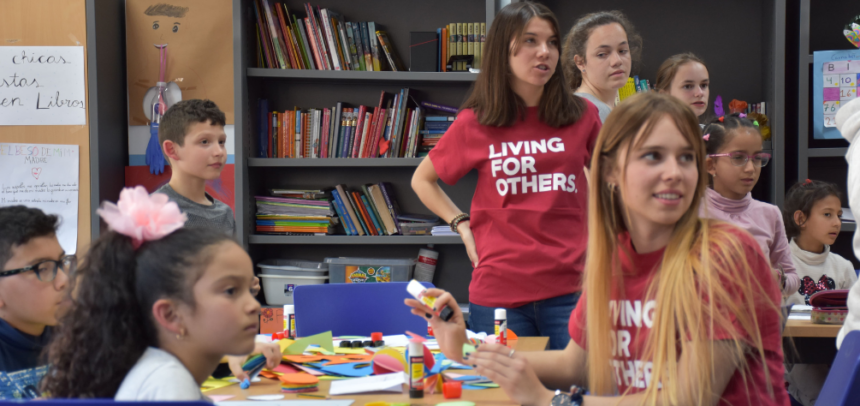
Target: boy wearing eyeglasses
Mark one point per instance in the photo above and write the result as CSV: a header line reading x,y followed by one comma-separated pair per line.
x,y
33,279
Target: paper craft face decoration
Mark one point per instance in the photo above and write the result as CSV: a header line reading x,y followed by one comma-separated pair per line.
x,y
198,35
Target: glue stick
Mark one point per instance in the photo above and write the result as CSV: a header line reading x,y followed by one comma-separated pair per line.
x,y
417,290
290,321
416,369
502,326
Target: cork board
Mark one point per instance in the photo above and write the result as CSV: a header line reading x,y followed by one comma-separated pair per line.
x,y
51,23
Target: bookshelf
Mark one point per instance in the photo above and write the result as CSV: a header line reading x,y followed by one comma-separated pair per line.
x,y
761,77
818,159
285,88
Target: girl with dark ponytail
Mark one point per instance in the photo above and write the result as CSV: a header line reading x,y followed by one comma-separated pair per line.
x,y
155,307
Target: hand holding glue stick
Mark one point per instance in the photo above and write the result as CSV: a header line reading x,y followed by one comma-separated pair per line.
x,y
450,334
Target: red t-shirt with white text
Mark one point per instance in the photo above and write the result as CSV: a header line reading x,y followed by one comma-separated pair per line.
x,y
632,318
528,211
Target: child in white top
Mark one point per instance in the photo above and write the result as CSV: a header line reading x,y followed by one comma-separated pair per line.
x,y
812,217
156,307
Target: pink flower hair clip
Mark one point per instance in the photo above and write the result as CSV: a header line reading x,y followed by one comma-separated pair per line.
x,y
142,217
707,137
742,115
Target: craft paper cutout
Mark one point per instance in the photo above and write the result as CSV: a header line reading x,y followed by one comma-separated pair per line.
x,y
324,340
286,369
384,364
298,379
357,369
718,106
309,370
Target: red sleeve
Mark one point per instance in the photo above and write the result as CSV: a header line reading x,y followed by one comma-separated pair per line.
x,y
594,132
761,272
576,324
452,157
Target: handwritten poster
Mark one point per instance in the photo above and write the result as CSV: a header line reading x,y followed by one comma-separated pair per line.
x,y
42,86
834,83
43,176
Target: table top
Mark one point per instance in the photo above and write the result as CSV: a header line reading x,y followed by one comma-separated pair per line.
x,y
486,396
806,328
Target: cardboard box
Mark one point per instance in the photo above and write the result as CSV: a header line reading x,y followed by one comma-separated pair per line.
x,y
271,319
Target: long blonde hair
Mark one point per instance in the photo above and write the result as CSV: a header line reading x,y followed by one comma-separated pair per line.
x,y
690,289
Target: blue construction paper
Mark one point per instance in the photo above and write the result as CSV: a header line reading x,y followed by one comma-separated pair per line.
x,y
466,378
473,387
349,369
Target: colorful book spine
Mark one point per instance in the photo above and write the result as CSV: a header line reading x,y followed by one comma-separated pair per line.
x,y
368,219
387,194
358,214
371,212
365,38
341,213
374,47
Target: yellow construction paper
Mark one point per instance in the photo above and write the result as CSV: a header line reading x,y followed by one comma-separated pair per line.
x,y
356,351
324,340
320,350
393,353
284,343
332,378
213,383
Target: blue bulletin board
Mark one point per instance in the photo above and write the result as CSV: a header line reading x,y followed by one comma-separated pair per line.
x,y
835,80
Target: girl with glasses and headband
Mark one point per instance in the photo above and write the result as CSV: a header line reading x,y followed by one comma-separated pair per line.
x,y
735,158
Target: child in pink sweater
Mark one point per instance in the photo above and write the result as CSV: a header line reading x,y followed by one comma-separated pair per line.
x,y
735,159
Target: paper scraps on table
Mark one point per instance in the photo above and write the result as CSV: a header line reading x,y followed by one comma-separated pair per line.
x,y
324,340
213,383
392,383
356,369
220,398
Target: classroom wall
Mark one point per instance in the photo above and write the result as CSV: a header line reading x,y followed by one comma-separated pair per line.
x,y
45,23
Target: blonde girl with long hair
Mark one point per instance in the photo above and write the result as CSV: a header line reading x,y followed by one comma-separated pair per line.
x,y
676,309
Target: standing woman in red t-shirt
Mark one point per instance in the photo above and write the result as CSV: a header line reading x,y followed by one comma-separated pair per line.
x,y
529,139
676,309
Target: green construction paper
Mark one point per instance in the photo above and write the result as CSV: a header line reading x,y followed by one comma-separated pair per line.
x,y
324,340
486,385
332,378
468,349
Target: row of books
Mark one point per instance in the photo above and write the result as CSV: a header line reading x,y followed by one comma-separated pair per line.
x,y
462,39
635,85
294,214
374,211
397,127
321,41
22,385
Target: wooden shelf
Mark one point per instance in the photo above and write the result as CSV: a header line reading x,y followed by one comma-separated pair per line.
x,y
333,162
354,240
385,76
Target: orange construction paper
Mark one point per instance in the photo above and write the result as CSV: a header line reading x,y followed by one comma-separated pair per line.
x,y
349,360
299,379
268,374
301,359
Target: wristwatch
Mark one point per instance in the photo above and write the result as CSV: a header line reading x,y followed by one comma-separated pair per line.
x,y
574,398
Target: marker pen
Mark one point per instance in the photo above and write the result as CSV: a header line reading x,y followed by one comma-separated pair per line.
x,y
416,370
417,290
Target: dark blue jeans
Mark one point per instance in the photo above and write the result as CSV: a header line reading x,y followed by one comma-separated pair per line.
x,y
544,318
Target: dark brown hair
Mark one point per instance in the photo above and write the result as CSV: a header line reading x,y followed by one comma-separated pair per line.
x,y
669,68
178,117
110,323
493,99
19,225
577,38
802,196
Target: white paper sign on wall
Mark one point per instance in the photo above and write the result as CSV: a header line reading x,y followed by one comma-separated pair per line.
x,y
43,176
42,86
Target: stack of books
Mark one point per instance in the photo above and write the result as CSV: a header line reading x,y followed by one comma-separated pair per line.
x,y
435,127
294,216
392,129
371,211
321,41
443,230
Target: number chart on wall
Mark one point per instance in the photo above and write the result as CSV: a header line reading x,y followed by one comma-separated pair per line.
x,y
835,81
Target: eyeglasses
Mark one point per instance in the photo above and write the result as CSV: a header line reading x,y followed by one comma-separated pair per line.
x,y
741,158
46,271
